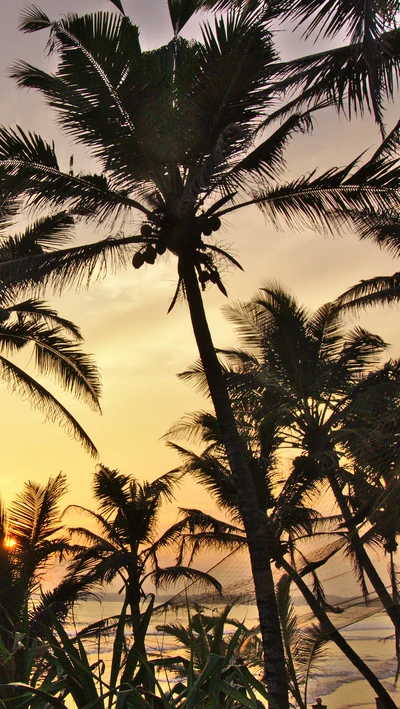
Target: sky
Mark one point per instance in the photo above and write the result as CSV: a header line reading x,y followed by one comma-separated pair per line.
x,y
137,346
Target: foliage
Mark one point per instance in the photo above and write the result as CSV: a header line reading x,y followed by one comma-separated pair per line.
x,y
305,646
305,383
31,536
126,545
217,634
185,135
55,342
70,674
192,134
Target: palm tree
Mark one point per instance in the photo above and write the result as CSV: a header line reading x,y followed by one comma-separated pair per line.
x,y
313,377
283,501
174,131
126,546
55,341
31,533
32,537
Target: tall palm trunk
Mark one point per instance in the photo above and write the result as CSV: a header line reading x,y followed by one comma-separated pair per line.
x,y
133,598
253,517
328,627
390,605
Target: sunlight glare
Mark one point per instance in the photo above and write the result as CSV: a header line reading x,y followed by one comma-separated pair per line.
x,y
9,543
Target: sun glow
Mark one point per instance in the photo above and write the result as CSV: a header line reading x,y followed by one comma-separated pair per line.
x,y
9,543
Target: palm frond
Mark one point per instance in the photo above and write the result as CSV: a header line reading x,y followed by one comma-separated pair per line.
x,y
35,513
211,472
38,310
267,159
331,200
74,267
354,77
180,12
176,574
111,489
57,356
58,602
39,397
197,427
327,19
381,290
45,234
163,487
29,169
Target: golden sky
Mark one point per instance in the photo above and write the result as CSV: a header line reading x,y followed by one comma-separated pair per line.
x,y
140,349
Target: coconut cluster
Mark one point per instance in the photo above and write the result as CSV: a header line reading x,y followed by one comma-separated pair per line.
x,y
158,243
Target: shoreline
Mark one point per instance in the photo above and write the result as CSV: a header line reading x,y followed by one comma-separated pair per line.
x,y
356,695
335,680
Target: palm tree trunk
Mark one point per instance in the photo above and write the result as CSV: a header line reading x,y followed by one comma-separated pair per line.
x,y
253,517
328,628
133,598
391,607
146,672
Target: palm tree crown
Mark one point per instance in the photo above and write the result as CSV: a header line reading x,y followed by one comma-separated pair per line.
x,y
126,545
184,136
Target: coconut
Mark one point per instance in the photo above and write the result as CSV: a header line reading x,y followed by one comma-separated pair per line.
x,y
150,254
215,223
146,230
207,229
161,247
138,260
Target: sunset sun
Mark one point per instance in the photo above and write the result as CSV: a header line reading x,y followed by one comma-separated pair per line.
x,y
9,543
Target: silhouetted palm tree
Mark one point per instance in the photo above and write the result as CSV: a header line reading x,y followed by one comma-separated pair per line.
x,y
312,379
283,499
32,537
54,341
184,137
126,546
31,533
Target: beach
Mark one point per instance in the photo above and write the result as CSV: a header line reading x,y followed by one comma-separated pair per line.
x,y
340,685
335,680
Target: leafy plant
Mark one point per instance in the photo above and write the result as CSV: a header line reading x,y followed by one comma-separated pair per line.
x,y
207,634
305,646
125,683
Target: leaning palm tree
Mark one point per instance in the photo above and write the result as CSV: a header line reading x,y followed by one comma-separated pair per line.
x,y
126,546
184,136
55,342
283,499
317,377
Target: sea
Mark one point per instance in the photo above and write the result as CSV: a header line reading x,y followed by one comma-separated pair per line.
x,y
335,680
